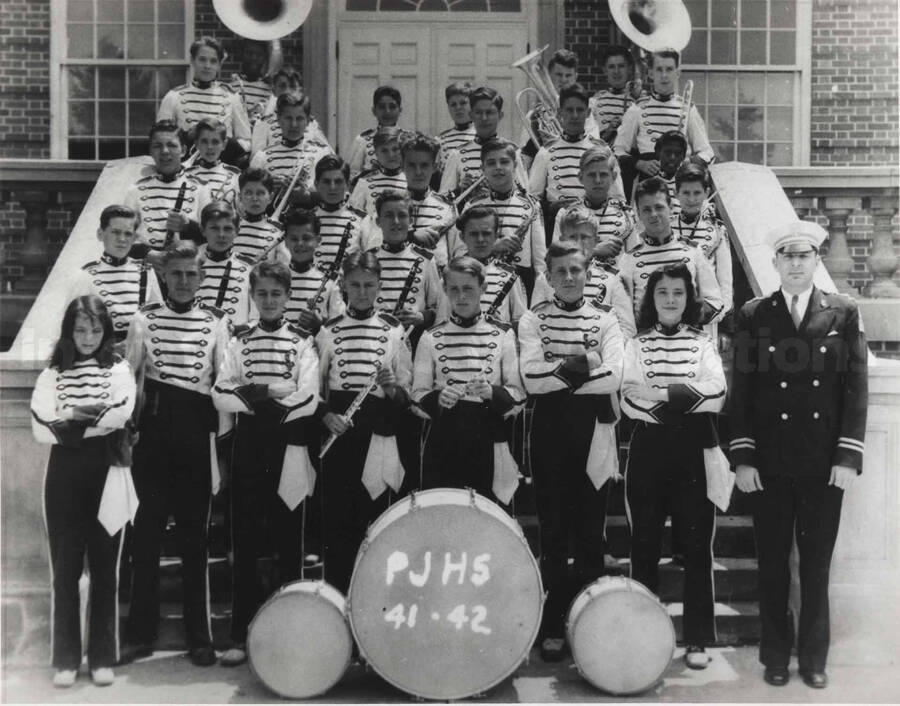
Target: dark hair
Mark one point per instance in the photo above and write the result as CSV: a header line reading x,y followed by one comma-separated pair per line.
x,y
364,260
301,217
385,135
647,314
165,126
670,136
690,172
215,210
330,163
484,93
470,214
64,352
273,270
665,54
116,211
466,265
498,144
183,250
389,195
563,249
463,88
211,125
617,50
420,142
256,175
290,73
651,186
201,42
386,91
576,90
289,100
563,57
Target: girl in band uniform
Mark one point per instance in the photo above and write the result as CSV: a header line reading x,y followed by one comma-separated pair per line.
x,y
84,396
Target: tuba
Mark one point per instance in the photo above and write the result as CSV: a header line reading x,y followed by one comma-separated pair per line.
x,y
545,111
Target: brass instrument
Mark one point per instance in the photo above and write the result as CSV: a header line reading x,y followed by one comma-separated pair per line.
x,y
263,20
301,175
470,192
546,110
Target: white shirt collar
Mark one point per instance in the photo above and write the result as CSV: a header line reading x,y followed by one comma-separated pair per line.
x,y
802,300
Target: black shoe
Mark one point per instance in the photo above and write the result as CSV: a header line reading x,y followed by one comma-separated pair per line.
x,y
202,656
132,651
553,649
777,676
814,680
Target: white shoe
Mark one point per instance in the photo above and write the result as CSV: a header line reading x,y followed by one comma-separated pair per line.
x,y
234,656
64,678
103,676
696,657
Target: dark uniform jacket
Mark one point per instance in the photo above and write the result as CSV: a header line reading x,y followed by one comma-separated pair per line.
x,y
799,397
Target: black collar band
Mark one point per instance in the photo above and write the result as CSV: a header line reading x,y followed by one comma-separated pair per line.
x,y
271,325
465,322
360,315
301,267
179,308
112,260
214,256
568,306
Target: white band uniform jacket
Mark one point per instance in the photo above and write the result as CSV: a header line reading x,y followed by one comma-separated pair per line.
x,y
615,219
513,209
226,285
153,196
507,307
190,103
650,117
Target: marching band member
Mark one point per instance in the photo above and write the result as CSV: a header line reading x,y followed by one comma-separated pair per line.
x,y
463,167
521,241
358,348
226,274
659,247
220,179
673,383
155,197
334,213
385,174
124,283
571,361
606,107
251,84
207,97
562,68
798,424
386,107
269,378
670,151
456,96
657,113
598,169
257,234
308,280
466,378
299,147
172,461
266,130
79,403
602,286
504,295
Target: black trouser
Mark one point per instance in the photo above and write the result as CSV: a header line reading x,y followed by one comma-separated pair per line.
x,y
409,446
72,492
347,508
459,449
570,510
809,509
666,476
171,475
256,507
526,274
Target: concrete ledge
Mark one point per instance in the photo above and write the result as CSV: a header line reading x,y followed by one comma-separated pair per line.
x,y
881,318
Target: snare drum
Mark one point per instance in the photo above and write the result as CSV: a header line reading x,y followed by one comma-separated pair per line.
x,y
446,597
621,636
299,643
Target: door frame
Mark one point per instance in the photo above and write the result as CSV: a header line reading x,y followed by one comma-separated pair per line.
x,y
337,14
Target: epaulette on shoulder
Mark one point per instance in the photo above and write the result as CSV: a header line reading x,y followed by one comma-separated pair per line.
x,y
149,177
299,330
228,87
214,310
644,332
541,305
423,252
92,263
502,325
368,132
606,266
505,266
439,324
231,168
357,211
619,203
596,141
152,306
605,308
180,88
696,330
446,198
388,318
141,262
751,305
636,248
246,257
642,99
367,173
333,320
244,329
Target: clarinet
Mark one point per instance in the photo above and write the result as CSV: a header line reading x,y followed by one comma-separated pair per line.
x,y
333,268
407,286
355,405
519,234
179,202
501,295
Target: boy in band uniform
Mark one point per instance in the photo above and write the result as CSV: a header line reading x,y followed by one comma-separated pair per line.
x,y
269,379
457,97
386,107
334,213
563,71
220,179
363,463
571,358
671,149
607,106
468,395
124,283
257,233
386,174
252,84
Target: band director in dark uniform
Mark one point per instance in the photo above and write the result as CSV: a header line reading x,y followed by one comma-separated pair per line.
x,y
798,421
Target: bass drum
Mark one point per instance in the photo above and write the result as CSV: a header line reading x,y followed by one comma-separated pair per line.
x,y
446,597
299,643
621,636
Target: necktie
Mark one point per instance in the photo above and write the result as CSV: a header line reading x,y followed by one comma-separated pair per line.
x,y
795,311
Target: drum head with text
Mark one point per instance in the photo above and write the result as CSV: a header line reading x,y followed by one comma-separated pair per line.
x,y
446,597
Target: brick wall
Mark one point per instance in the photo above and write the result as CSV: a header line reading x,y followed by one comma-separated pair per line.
x,y
588,29
854,82
25,78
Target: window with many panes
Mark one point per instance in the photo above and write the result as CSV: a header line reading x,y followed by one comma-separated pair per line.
x,y
748,60
114,60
